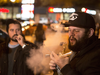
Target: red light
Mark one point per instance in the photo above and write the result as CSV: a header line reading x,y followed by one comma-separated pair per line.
x,y
85,10
4,10
50,9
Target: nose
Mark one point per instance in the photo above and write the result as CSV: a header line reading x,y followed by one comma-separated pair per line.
x,y
71,33
15,31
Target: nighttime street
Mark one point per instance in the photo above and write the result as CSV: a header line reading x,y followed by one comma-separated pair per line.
x,y
49,37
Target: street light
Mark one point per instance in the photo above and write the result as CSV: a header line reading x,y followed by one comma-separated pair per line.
x,y
12,7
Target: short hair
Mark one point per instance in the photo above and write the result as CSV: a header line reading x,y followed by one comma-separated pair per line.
x,y
10,21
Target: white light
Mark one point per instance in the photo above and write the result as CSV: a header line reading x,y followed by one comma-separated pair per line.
x,y
12,0
23,29
83,9
69,10
57,10
27,11
23,24
18,16
93,12
28,1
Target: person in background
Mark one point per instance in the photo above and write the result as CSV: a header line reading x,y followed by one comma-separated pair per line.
x,y
40,35
97,29
15,51
85,46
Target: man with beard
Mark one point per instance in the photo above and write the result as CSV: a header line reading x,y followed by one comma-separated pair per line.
x,y
15,51
85,46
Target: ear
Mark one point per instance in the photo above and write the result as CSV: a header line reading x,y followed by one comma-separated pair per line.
x,y
91,32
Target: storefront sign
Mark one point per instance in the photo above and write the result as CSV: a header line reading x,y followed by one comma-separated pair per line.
x,y
4,10
69,10
92,12
59,10
27,11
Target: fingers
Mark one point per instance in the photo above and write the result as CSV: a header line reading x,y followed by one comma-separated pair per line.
x,y
19,37
52,65
54,56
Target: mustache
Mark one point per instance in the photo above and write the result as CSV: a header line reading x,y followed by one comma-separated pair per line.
x,y
15,35
72,37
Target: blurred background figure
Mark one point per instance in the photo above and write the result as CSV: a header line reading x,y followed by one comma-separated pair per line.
x,y
40,35
97,29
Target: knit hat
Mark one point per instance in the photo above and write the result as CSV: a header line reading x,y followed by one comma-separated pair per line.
x,y
81,19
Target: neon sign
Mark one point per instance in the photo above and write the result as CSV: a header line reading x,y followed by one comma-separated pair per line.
x,y
59,10
4,10
92,12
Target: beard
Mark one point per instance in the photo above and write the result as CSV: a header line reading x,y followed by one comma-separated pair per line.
x,y
13,38
79,43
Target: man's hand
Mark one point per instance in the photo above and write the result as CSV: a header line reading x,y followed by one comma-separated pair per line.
x,y
20,40
57,60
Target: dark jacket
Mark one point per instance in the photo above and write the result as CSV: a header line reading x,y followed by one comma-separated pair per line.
x,y
86,62
19,67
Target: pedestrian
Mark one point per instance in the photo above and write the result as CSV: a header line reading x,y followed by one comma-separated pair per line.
x,y
97,29
85,46
40,35
15,51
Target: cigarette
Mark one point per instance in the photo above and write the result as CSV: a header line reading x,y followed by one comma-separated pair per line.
x,y
67,54
61,55
47,55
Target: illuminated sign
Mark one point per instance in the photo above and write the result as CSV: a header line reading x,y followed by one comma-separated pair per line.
x,y
92,12
69,10
54,10
50,9
59,10
4,10
28,1
27,11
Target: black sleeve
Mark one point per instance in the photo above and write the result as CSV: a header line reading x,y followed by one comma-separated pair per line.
x,y
67,70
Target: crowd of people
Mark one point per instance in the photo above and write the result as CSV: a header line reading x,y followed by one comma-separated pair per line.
x,y
84,44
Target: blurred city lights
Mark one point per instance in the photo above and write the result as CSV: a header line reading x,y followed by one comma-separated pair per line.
x,y
12,0
59,10
28,1
18,16
69,10
92,12
27,11
50,9
4,10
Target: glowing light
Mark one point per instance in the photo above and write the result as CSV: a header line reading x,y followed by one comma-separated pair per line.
x,y
4,10
92,12
69,10
27,27
27,11
12,0
18,16
28,1
23,29
57,10
50,10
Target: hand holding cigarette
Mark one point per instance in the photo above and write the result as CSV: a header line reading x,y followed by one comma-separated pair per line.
x,y
61,61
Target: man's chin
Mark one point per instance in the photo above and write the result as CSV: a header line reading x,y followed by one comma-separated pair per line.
x,y
72,43
14,40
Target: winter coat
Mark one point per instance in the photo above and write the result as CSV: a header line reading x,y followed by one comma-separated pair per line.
x,y
20,67
86,62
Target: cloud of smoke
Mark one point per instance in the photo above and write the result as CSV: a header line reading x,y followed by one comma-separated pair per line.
x,y
38,62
